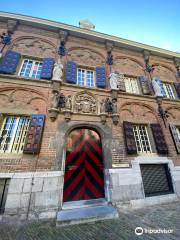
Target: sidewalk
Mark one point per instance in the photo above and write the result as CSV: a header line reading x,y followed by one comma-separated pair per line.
x,y
158,217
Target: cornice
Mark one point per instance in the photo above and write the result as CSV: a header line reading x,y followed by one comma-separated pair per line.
x,y
88,34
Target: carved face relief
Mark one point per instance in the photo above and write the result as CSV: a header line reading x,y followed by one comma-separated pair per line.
x,y
127,66
34,47
85,103
86,57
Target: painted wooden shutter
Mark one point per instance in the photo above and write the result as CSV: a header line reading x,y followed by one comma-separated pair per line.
x,y
71,72
175,137
177,87
144,85
129,138
47,68
158,87
9,62
34,134
121,85
159,139
101,77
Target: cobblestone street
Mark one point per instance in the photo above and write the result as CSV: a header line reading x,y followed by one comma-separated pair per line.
x,y
158,217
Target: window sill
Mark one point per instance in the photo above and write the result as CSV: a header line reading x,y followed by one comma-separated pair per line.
x,y
11,155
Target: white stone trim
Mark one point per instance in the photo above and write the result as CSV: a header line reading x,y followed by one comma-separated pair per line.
x,y
32,174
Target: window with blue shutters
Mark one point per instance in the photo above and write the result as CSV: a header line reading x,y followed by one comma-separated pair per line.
x,y
31,68
9,62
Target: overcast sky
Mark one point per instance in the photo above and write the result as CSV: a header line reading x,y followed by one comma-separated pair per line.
x,y
154,22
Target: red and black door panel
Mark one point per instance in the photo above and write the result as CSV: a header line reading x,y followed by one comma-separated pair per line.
x,y
84,178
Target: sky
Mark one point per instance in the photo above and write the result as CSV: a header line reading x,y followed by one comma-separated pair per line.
x,y
153,22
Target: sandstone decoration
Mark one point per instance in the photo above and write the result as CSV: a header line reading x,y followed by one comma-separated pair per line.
x,y
164,73
86,56
27,46
128,66
85,103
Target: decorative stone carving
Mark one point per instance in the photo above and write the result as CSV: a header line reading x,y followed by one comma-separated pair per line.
x,y
164,73
109,105
86,56
68,103
85,103
113,80
86,24
102,106
28,46
114,106
55,101
11,25
128,66
58,71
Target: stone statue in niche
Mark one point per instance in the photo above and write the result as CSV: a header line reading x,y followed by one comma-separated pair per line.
x,y
68,103
85,103
102,106
114,106
108,105
55,101
114,79
58,71
62,101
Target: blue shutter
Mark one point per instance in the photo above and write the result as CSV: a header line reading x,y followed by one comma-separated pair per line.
x,y
9,62
71,72
157,82
34,134
47,68
101,77
177,87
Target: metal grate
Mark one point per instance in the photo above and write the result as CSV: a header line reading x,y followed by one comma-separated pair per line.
x,y
142,139
156,179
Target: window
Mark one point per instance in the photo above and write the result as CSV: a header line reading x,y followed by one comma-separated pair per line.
x,y
13,134
156,179
168,90
85,77
131,85
142,139
4,183
31,68
178,131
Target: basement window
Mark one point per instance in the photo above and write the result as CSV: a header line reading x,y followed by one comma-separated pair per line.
x,y
4,184
156,179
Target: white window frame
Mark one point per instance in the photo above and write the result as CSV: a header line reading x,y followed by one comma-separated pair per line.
x,y
31,71
168,90
131,85
136,129
85,78
18,136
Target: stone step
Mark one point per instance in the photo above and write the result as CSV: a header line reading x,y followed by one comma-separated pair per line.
x,y
84,203
84,215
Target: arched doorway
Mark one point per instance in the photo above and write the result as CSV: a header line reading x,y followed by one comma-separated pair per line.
x,y
84,176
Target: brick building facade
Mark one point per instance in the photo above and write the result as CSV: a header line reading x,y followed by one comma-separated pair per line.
x,y
130,133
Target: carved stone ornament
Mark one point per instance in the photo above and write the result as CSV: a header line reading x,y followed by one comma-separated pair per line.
x,y
86,24
53,113
85,103
115,118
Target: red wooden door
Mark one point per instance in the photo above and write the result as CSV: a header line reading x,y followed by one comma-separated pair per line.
x,y
84,178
